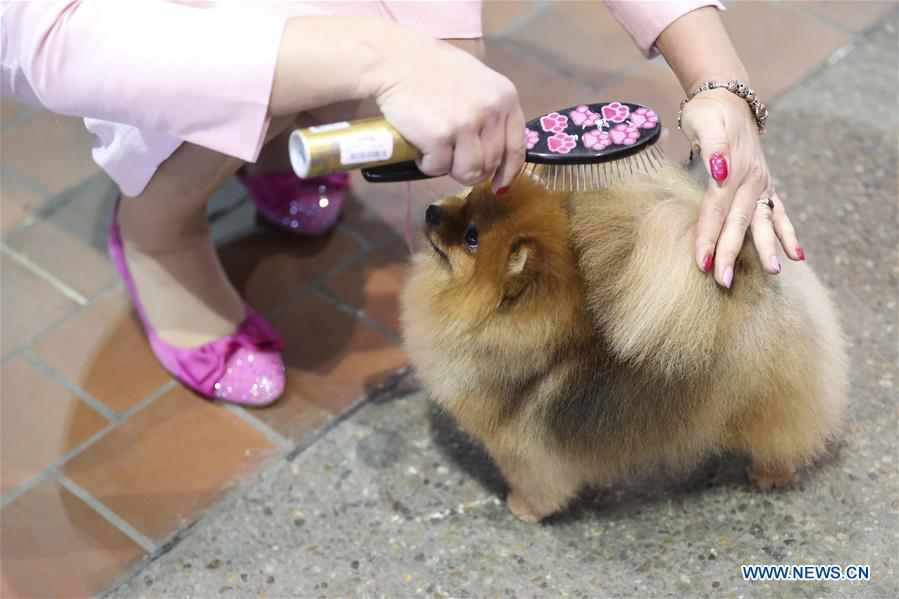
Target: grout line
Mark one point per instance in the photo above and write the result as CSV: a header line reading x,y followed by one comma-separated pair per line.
x,y
26,345
67,456
521,21
153,396
311,438
61,380
796,8
387,387
12,354
23,488
352,232
10,171
841,53
48,277
113,423
357,313
111,517
26,113
51,203
624,72
280,440
318,282
64,319
530,57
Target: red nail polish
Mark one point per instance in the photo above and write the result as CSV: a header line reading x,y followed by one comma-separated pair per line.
x,y
707,263
800,252
502,190
718,166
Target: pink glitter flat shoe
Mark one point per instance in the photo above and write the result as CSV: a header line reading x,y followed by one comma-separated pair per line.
x,y
305,206
243,368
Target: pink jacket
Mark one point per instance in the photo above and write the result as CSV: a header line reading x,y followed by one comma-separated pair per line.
x,y
148,75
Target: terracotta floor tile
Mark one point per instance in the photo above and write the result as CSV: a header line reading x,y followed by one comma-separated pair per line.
x,y
374,283
268,266
53,151
55,545
540,88
579,39
17,201
778,46
165,464
9,110
103,350
332,360
71,242
29,305
657,88
39,422
498,15
856,15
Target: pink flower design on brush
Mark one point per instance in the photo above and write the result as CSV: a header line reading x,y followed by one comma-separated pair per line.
x,y
582,116
644,118
561,143
554,122
597,139
624,135
530,138
615,112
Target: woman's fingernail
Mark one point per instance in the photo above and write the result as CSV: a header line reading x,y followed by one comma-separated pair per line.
x,y
502,190
718,166
800,253
728,276
707,263
775,263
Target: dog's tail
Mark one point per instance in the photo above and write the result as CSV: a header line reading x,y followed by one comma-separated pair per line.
x,y
650,302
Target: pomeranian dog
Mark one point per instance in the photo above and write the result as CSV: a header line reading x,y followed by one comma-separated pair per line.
x,y
572,334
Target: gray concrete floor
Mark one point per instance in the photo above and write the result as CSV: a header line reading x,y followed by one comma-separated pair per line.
x,y
395,502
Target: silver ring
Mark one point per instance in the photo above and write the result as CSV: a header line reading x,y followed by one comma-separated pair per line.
x,y
766,202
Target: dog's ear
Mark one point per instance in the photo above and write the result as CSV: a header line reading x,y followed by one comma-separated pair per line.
x,y
520,267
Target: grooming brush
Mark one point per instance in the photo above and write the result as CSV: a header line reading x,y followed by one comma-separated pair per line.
x,y
581,148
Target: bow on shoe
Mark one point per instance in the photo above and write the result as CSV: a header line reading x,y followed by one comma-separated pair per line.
x,y
201,367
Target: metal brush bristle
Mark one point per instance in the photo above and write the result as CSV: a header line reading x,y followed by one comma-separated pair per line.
x,y
596,176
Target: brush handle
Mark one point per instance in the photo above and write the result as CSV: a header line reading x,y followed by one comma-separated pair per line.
x,y
346,146
394,173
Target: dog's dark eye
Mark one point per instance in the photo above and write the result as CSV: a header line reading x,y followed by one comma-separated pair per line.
x,y
471,238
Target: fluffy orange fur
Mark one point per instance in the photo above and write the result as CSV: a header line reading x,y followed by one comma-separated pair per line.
x,y
579,343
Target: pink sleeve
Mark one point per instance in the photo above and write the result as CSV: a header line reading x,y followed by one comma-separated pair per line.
x,y
645,20
203,75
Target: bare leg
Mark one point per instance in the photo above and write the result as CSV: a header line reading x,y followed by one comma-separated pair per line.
x,y
179,279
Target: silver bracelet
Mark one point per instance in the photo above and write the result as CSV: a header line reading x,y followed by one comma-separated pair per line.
x,y
759,111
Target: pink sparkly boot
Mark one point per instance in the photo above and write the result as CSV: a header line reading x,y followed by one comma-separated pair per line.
x,y
243,368
305,206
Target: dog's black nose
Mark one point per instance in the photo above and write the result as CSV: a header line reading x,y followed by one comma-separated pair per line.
x,y
432,216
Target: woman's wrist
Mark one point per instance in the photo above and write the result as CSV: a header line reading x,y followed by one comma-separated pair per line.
x,y
698,49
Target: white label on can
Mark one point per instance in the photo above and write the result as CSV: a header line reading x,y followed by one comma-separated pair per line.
x,y
329,127
372,146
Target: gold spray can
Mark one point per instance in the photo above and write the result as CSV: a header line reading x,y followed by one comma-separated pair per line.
x,y
340,147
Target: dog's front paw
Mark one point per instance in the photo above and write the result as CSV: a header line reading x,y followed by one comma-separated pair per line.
x,y
521,509
767,477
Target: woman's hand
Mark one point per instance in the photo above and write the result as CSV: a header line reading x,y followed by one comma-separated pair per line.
x,y
464,117
720,125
